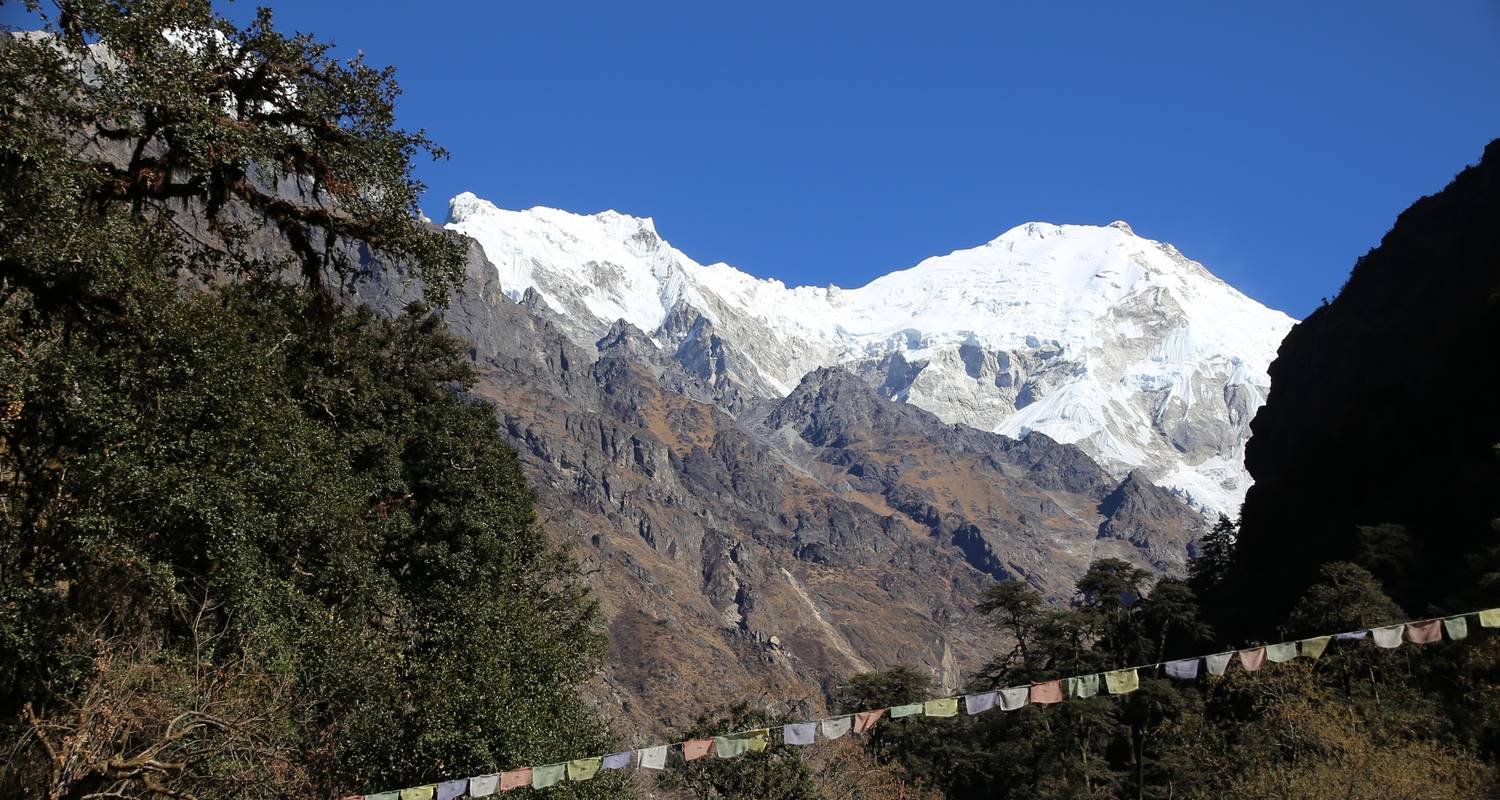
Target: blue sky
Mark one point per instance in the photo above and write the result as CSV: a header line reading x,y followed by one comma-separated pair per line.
x,y
833,142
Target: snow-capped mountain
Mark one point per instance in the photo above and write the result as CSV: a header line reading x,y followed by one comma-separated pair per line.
x,y
1091,335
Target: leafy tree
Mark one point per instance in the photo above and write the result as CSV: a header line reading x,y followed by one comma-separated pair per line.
x,y
776,773
211,471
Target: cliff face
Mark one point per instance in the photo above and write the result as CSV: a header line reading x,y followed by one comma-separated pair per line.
x,y
746,547
1385,410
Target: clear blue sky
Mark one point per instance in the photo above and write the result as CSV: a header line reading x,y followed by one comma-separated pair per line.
x,y
832,142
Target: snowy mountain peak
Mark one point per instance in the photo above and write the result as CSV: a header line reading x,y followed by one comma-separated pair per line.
x,y
1090,334
1122,225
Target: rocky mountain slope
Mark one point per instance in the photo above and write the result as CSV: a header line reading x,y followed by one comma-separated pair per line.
x,y
747,546
1090,335
1385,411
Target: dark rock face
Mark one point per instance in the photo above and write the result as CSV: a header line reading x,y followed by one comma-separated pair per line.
x,y
743,545
1385,409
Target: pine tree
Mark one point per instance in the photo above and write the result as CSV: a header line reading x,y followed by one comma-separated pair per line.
x,y
1210,566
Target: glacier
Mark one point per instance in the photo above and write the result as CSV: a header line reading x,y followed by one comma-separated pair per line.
x,y
1090,334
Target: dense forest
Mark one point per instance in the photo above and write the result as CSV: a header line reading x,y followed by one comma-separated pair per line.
x,y
256,541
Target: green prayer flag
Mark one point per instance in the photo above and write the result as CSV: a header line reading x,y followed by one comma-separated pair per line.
x,y
545,776
897,712
1281,653
581,769
946,707
419,792
1456,628
1314,647
1122,681
384,796
1082,686
1490,618
729,746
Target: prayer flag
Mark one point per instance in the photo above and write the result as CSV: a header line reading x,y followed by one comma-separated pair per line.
x,y
1281,652
1122,681
838,726
1046,692
946,707
1388,636
617,760
1351,636
1185,669
1490,618
1253,659
1083,686
757,740
419,792
897,712
384,796
799,732
1314,647
547,775
484,785
866,720
1456,627
694,749
1425,632
582,769
447,790
730,746
515,779
1012,699
979,703
654,757
1218,662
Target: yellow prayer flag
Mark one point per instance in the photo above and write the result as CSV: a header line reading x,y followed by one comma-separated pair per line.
x,y
1314,647
1122,681
419,792
946,707
1490,618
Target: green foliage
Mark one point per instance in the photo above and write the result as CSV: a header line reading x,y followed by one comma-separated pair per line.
x,y
247,482
1210,567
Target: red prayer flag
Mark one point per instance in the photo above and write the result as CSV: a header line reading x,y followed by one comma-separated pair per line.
x,y
1425,632
696,748
515,779
866,720
1049,692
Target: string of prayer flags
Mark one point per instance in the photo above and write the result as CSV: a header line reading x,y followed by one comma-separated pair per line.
x,y
942,707
694,749
484,785
515,779
979,703
1388,637
866,720
897,712
1083,686
582,769
838,726
1425,632
1314,647
799,733
1184,669
1122,681
653,757
1046,692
